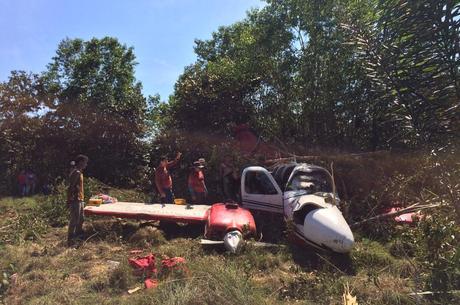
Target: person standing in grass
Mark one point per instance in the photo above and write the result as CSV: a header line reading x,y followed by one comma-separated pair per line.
x,y
163,180
22,178
31,182
75,199
228,176
196,184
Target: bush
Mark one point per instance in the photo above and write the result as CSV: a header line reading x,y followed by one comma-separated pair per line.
x,y
147,236
94,186
54,208
438,237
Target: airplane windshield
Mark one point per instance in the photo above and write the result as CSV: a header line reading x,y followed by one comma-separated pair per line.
x,y
312,181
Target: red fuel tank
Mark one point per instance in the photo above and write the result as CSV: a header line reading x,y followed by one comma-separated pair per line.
x,y
225,217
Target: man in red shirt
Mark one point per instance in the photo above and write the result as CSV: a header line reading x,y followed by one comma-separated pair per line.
x,y
22,183
196,184
163,179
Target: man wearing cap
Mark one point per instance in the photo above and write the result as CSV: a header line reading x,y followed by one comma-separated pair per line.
x,y
163,180
196,184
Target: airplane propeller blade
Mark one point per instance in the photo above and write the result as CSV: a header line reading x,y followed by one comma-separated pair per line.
x,y
211,242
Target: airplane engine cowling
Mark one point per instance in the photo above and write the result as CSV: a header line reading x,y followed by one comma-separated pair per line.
x,y
226,217
327,227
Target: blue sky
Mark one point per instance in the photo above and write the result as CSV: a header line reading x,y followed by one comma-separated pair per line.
x,y
162,32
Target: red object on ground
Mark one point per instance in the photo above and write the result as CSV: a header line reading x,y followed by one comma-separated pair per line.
x,y
225,217
172,262
144,264
150,283
404,218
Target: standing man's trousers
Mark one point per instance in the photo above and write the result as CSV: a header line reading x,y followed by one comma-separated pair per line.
x,y
76,219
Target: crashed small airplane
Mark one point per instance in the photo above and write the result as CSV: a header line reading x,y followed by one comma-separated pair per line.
x,y
304,194
225,223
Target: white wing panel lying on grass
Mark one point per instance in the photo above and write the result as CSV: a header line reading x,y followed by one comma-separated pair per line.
x,y
156,211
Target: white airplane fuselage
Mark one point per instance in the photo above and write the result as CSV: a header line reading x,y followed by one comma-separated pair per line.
x,y
318,222
313,215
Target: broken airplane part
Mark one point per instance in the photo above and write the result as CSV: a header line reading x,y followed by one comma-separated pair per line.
x,y
225,223
304,194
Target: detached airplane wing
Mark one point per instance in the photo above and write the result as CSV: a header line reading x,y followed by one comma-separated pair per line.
x,y
156,211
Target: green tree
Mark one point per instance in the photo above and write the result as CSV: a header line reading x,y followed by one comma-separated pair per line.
x,y
21,100
410,52
362,74
241,75
98,109
287,70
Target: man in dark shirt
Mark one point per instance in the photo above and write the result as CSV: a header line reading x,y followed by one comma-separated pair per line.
x,y
163,179
228,176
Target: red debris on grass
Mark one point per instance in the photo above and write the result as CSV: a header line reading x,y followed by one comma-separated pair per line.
x,y
404,218
150,283
144,265
173,262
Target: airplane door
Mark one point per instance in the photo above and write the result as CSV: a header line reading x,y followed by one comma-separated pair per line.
x,y
260,191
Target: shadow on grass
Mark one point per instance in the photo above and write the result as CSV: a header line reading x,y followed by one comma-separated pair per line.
x,y
174,230
113,230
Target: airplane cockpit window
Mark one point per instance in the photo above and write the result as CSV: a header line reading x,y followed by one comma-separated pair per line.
x,y
259,183
311,181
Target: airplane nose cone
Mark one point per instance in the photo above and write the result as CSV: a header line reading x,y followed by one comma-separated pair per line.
x,y
328,228
347,243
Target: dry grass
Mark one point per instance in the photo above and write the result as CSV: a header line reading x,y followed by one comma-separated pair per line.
x,y
51,273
